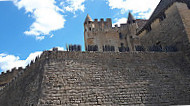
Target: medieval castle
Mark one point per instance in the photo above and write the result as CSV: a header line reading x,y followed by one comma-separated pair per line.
x,y
101,36
140,63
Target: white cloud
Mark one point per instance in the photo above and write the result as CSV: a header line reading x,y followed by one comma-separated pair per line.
x,y
73,5
52,35
47,16
120,21
59,48
6,0
142,7
7,62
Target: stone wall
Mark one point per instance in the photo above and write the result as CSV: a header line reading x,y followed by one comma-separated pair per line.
x,y
112,79
171,31
8,76
103,79
102,36
24,88
184,11
101,33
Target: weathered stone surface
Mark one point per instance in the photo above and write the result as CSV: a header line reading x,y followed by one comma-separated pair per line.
x,y
101,34
24,89
171,30
101,79
116,79
110,78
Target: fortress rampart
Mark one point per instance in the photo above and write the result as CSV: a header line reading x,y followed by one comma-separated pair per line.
x,y
156,73
101,78
8,76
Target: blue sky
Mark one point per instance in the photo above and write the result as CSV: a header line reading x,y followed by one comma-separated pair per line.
x,y
28,27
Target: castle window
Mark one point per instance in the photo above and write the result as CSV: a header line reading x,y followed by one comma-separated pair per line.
x,y
122,44
74,48
149,28
162,17
139,48
90,29
108,48
120,36
112,48
158,42
95,48
188,5
92,48
123,49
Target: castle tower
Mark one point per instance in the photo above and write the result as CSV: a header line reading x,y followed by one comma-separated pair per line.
x,y
101,36
131,19
132,27
87,29
88,19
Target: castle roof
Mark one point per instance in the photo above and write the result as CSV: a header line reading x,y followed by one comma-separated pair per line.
x,y
88,18
162,6
131,19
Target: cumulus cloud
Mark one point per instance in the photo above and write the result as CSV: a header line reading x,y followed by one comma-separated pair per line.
x,y
7,62
143,8
6,0
120,21
47,16
59,48
73,5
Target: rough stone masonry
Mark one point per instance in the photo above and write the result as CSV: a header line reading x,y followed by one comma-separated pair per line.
x,y
101,79
117,74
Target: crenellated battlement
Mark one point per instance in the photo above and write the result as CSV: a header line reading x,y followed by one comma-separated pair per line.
x,y
100,33
102,20
99,25
117,68
103,25
8,77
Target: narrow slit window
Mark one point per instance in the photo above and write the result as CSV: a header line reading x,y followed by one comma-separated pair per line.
x,y
120,36
149,28
162,17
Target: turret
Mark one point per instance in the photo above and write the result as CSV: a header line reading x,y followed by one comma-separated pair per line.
x,y
132,30
88,23
87,29
131,19
88,19
109,22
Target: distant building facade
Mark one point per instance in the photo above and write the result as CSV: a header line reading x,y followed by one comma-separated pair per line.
x,y
167,29
101,36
